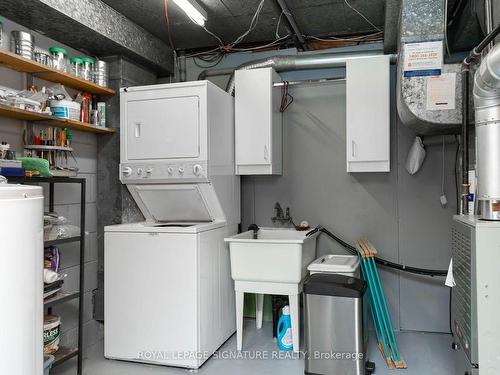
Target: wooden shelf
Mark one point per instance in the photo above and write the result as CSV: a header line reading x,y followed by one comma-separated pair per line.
x,y
48,148
21,114
21,64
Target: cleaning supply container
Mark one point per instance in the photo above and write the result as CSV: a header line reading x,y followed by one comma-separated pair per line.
x,y
284,330
333,320
65,109
347,265
51,333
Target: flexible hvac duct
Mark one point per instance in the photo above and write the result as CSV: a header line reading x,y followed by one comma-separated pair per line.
x,y
288,63
487,118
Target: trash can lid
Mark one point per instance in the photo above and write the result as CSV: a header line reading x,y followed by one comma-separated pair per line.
x,y
329,284
335,264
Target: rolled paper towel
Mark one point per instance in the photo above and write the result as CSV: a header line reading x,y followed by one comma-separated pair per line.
x,y
49,276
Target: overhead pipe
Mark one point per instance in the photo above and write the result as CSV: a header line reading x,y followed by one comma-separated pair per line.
x,y
287,63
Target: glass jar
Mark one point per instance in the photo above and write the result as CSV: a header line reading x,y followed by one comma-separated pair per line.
x,y
43,57
76,64
101,73
59,58
87,68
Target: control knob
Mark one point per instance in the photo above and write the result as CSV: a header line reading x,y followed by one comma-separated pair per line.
x,y
127,171
170,170
139,171
181,170
197,169
149,170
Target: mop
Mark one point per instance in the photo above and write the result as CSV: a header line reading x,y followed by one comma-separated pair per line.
x,y
380,313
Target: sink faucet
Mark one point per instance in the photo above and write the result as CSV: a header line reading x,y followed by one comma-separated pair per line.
x,y
279,216
255,229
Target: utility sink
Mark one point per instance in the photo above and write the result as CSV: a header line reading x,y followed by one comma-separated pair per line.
x,y
277,255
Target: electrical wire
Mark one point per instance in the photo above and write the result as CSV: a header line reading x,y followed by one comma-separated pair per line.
x,y
167,18
457,173
443,166
362,16
447,48
253,24
383,262
276,32
377,36
217,59
271,44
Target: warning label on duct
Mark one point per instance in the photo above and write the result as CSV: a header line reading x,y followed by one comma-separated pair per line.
x,y
441,92
423,59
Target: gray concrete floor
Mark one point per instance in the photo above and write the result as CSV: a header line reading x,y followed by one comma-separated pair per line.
x,y
425,353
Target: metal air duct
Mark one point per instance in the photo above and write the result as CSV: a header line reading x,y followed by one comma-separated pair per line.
x,y
487,122
288,63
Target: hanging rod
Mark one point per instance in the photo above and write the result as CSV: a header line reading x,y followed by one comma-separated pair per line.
x,y
311,81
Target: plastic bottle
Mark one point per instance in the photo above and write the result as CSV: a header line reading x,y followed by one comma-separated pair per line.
x,y
284,329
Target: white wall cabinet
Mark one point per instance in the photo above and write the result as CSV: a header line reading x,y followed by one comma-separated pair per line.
x,y
258,122
368,114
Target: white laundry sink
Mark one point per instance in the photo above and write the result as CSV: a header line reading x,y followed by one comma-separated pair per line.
x,y
277,255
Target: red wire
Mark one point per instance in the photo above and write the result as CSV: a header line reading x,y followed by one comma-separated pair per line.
x,y
168,26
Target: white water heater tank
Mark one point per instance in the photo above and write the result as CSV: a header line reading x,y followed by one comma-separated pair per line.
x,y
21,279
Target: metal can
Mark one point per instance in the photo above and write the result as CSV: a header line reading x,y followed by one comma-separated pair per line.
x,y
101,73
22,44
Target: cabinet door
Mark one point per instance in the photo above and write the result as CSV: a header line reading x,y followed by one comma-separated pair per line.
x,y
258,122
163,128
367,114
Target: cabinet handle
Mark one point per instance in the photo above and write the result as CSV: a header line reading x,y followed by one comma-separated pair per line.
x,y
266,154
353,149
137,129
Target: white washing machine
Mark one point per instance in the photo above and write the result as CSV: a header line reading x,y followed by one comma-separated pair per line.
x,y
168,290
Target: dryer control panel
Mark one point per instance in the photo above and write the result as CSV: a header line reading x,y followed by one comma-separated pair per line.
x,y
163,171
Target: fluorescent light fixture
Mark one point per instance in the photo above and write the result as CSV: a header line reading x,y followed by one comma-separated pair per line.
x,y
194,11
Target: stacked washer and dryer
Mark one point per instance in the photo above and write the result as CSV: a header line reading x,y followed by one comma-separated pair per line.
x,y
169,295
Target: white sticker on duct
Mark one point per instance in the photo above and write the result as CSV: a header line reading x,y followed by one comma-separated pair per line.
x,y
450,280
423,59
441,92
